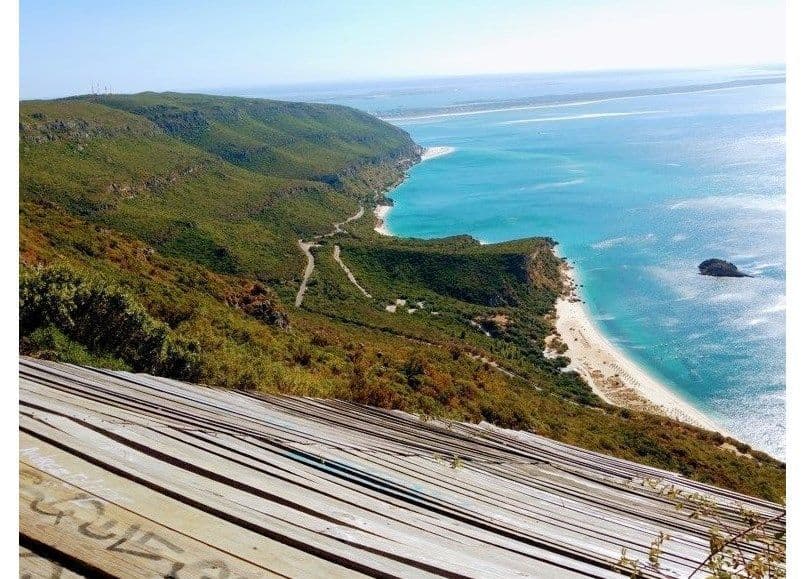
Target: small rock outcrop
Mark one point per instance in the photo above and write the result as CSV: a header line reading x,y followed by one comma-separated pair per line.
x,y
720,268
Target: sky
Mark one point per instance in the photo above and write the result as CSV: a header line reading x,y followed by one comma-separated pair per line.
x,y
70,47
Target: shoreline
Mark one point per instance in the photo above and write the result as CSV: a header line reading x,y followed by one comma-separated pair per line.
x,y
611,373
381,212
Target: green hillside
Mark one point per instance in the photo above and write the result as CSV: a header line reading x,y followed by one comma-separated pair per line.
x,y
158,233
293,140
181,179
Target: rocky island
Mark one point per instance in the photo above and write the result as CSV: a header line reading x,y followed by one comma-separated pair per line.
x,y
720,268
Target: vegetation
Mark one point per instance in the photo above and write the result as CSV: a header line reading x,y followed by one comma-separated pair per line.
x,y
81,320
283,139
177,217
748,547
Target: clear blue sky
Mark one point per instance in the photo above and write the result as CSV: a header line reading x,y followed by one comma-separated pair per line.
x,y
65,47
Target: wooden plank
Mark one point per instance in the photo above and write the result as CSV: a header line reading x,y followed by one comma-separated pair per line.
x,y
35,566
299,515
237,541
278,521
93,535
335,484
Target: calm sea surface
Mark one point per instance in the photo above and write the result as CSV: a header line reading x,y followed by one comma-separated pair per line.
x,y
639,177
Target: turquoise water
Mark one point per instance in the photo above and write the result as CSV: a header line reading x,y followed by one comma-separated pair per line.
x,y
638,188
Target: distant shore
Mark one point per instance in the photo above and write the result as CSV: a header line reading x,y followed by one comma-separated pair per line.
x,y
612,374
382,211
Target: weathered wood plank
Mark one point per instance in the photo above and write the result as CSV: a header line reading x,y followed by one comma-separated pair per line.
x,y
233,539
97,536
306,487
35,566
280,522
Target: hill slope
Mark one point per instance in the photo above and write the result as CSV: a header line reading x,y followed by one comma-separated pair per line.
x,y
285,139
175,174
159,233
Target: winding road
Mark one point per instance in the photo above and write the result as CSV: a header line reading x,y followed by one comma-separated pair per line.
x,y
306,247
350,276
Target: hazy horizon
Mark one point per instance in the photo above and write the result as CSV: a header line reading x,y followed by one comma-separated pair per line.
x,y
239,89
89,46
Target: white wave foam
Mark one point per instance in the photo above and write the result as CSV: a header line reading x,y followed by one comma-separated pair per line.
x,y
555,185
580,117
434,152
632,239
748,202
604,317
731,297
761,267
608,243
778,306
773,140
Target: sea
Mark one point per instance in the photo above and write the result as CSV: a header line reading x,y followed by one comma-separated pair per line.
x,y
639,176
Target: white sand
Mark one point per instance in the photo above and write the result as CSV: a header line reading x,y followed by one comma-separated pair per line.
x,y
433,152
611,374
381,211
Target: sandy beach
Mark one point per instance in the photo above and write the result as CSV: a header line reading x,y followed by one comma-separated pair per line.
x,y
610,373
381,211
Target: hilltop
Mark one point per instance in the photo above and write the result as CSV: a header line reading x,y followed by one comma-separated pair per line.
x,y
161,233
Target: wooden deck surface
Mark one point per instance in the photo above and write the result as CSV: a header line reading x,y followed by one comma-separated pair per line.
x,y
131,475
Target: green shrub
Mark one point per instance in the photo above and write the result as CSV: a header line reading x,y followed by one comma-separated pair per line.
x,y
102,319
51,344
414,371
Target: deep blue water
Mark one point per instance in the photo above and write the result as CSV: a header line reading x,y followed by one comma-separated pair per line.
x,y
637,190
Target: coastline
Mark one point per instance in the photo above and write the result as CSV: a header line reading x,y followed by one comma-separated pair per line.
x,y
381,212
612,375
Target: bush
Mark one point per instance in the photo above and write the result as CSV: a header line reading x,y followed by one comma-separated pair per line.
x,y
182,359
301,353
103,320
414,371
49,343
